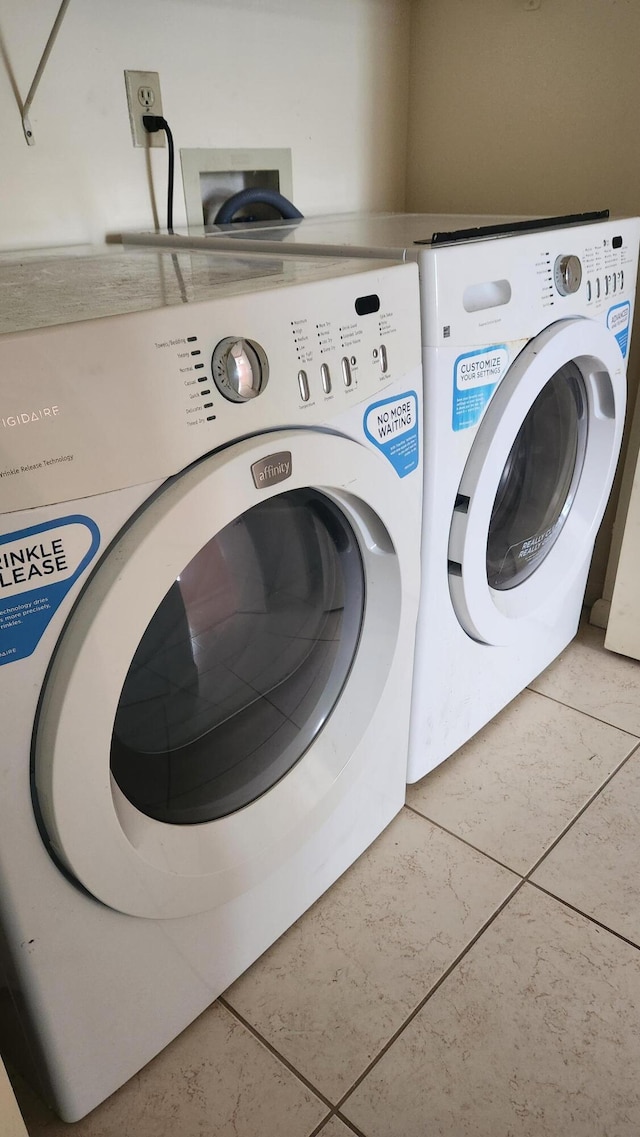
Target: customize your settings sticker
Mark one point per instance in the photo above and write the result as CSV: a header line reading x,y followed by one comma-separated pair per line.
x,y
475,377
392,426
38,566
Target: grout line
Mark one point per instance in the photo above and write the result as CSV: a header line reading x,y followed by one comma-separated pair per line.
x,y
350,1125
580,912
587,714
276,1053
431,992
580,812
525,876
325,1121
469,845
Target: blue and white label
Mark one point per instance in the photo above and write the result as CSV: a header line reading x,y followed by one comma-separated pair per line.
x,y
618,320
392,426
475,377
38,566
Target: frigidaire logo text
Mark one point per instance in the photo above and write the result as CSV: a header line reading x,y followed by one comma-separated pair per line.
x,y
274,468
23,418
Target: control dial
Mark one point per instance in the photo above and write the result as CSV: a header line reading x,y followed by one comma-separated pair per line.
x,y
567,274
240,369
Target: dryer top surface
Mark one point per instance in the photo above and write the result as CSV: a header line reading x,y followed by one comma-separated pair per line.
x,y
40,288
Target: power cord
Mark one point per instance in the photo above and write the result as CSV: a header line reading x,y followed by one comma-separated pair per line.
x,y
153,123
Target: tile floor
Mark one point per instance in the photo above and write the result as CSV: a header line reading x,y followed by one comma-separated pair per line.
x,y
475,974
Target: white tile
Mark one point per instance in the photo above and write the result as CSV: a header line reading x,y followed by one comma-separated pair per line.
x,y
534,1034
599,682
595,865
513,788
338,984
215,1079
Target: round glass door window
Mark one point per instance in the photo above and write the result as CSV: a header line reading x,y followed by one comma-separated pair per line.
x,y
539,480
242,663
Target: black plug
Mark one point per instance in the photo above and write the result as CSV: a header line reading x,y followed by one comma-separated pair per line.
x,y
153,122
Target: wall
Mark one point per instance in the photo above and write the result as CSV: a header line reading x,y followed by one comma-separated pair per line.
x,y
527,111
327,78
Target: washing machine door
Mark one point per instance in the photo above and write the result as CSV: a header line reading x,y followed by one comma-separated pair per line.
x,y
537,479
212,685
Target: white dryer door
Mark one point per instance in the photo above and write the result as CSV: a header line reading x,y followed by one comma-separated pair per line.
x,y
537,479
219,671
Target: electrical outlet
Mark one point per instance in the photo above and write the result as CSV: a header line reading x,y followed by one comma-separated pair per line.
x,y
143,97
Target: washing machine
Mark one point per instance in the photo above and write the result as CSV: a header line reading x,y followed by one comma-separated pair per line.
x,y
525,333
210,500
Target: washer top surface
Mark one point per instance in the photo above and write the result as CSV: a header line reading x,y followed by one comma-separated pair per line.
x,y
40,288
388,236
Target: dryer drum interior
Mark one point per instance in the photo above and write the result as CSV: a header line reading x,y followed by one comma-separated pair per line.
x,y
539,480
242,662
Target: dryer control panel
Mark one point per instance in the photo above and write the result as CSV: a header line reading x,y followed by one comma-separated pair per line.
x,y
103,404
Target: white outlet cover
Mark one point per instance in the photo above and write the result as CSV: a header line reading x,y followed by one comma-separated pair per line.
x,y
137,82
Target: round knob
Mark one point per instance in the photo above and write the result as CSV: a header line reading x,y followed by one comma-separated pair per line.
x,y
240,369
567,274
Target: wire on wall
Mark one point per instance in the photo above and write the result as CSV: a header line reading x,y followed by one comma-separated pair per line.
x,y
153,123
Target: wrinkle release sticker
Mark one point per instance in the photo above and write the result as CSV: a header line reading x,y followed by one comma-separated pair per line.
x,y
392,426
618,319
38,566
476,375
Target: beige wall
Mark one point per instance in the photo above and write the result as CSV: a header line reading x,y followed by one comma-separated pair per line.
x,y
527,111
327,78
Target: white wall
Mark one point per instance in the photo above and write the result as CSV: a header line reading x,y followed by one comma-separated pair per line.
x,y
327,78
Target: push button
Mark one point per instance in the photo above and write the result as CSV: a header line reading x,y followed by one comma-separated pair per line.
x,y
384,363
303,384
346,372
325,375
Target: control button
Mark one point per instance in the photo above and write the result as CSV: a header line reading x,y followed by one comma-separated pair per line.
x,y
346,372
240,369
614,281
622,278
325,375
606,284
383,359
597,288
353,360
567,274
375,353
303,384
588,290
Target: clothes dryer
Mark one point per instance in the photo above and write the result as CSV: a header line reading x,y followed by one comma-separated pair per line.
x,y
525,334
210,500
